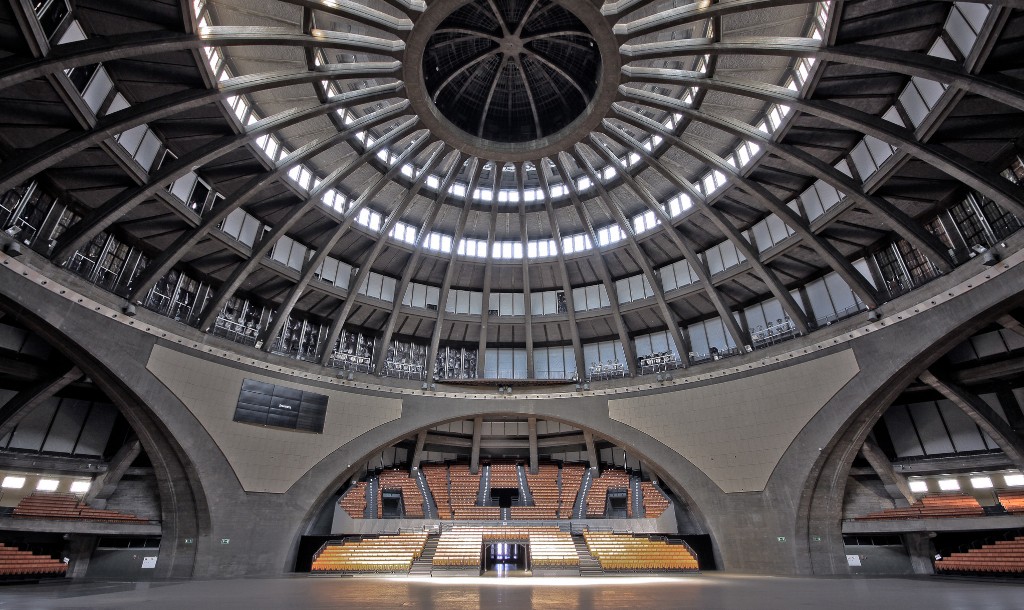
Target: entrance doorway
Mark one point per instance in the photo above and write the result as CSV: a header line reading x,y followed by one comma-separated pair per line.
x,y
505,496
504,559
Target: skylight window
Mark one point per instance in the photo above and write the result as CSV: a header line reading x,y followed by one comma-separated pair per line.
x,y
47,485
981,482
13,482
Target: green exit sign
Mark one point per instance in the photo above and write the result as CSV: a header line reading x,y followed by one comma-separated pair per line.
x,y
816,538
781,538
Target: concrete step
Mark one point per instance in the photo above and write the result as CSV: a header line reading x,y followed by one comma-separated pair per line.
x,y
422,565
588,565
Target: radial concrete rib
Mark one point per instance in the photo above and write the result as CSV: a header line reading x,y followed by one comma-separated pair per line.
x,y
1010,322
485,308
990,422
29,162
435,157
139,44
836,260
360,13
1002,89
905,226
795,313
22,403
474,170
895,483
172,254
599,263
724,312
668,316
104,485
102,217
524,240
241,273
284,310
680,241
556,235
982,179
411,265
698,11
790,306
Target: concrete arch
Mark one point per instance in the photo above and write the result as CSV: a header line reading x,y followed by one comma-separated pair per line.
x,y
684,479
183,502
820,504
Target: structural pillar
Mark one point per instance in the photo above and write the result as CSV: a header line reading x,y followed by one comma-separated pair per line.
x,y
921,550
19,405
78,552
588,438
105,484
990,422
417,454
474,456
895,483
532,423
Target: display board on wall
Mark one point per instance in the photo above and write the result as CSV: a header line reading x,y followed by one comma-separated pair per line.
x,y
267,404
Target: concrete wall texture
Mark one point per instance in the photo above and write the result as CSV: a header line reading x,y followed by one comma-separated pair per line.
x,y
757,446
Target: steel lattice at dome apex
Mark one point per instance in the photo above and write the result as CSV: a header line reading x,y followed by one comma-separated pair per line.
x,y
511,71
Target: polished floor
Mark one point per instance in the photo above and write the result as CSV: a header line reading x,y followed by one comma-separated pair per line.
x,y
706,592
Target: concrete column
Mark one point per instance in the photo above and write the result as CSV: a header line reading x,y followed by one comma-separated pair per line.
x,y
1010,322
19,405
895,483
921,550
79,550
474,456
588,438
532,423
990,422
105,484
417,454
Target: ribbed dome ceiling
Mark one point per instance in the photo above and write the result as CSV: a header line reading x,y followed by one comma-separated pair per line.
x,y
701,157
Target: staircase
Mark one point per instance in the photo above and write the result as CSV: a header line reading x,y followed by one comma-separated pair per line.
x,y
422,565
638,497
372,492
588,565
483,496
429,507
506,514
525,497
580,506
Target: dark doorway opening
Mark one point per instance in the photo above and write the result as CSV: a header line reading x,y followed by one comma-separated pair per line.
x,y
617,504
505,496
391,504
506,559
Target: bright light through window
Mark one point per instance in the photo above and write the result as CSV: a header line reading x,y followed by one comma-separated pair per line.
x,y
981,482
949,484
13,482
80,487
47,485
918,486
1014,480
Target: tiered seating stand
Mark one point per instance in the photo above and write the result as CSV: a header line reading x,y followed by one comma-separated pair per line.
x,y
1005,557
353,501
655,501
629,553
391,480
378,554
932,507
49,505
597,497
16,564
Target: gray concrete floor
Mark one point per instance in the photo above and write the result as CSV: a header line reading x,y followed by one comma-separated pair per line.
x,y
706,592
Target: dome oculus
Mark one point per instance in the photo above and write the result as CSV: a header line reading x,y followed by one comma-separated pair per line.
x,y
511,70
